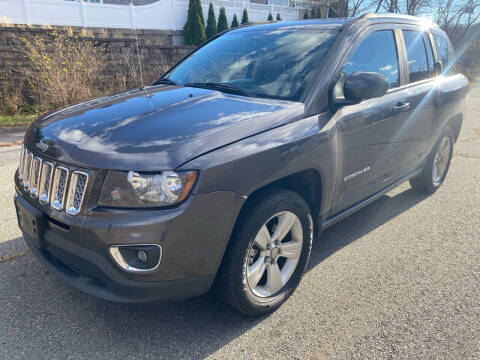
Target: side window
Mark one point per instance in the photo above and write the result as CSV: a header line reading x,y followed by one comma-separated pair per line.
x,y
416,55
443,52
428,46
377,53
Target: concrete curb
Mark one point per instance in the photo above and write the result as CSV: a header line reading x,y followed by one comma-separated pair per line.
x,y
12,129
10,136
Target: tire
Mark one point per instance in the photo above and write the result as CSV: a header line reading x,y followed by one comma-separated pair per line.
x,y
436,165
251,249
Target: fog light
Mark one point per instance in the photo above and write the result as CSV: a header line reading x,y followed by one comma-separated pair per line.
x,y
139,258
142,255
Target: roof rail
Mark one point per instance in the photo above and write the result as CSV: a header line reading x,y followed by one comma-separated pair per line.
x,y
367,15
396,16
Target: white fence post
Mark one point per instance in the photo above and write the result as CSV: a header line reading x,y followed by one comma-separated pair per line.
x,y
172,16
84,15
132,20
26,11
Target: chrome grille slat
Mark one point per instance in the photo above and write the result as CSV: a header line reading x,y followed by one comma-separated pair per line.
x,y
20,167
35,176
51,185
27,170
60,178
45,181
59,187
76,192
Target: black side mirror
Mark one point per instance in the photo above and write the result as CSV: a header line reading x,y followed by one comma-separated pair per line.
x,y
365,85
438,66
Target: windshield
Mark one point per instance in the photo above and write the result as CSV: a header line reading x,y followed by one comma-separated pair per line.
x,y
264,63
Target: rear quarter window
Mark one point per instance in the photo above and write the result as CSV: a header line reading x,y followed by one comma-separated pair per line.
x,y
445,53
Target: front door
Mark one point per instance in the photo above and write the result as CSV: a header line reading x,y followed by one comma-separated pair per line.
x,y
370,153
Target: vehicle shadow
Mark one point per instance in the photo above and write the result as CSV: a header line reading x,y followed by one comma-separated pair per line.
x,y
41,316
362,222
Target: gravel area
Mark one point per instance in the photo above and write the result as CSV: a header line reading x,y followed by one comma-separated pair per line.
x,y
398,279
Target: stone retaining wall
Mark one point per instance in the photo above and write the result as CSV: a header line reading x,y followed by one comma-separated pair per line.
x,y
159,49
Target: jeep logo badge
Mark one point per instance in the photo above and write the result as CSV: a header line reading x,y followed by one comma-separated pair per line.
x,y
41,146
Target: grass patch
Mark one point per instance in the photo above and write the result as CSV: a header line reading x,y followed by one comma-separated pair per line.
x,y
16,120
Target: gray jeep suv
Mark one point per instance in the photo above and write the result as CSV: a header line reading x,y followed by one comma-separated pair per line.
x,y
223,172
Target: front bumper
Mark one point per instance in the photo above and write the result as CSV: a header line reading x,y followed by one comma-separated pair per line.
x,y
193,237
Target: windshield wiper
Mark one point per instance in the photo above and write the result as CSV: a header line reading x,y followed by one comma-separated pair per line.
x,y
166,81
225,87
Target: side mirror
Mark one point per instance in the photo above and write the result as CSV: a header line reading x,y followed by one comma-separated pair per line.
x,y
364,85
438,66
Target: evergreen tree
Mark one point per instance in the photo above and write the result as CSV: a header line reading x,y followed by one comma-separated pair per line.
x,y
245,16
194,29
278,17
190,18
211,22
222,24
305,14
270,17
234,21
199,30
200,11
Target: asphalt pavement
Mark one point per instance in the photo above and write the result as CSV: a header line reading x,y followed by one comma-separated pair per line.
x,y
398,279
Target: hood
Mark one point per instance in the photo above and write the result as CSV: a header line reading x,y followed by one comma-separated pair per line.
x,y
157,128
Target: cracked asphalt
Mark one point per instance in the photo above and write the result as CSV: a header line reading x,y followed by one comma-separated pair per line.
x,y
398,279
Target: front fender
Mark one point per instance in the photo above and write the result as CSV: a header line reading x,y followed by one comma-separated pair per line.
x,y
248,165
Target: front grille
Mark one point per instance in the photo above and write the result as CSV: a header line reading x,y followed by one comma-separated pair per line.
x,y
51,184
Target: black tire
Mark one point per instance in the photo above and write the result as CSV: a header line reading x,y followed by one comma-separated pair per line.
x,y
425,181
232,285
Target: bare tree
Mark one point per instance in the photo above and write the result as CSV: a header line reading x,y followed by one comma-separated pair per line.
x,y
409,7
457,17
414,7
358,7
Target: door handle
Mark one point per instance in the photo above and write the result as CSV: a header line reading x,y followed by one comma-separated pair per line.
x,y
401,107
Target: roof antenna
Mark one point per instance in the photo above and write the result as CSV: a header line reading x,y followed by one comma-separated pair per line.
x,y
136,41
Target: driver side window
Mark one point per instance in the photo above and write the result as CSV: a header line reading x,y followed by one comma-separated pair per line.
x,y
377,53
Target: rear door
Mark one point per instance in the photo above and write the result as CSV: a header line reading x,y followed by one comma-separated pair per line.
x,y
452,87
370,150
421,95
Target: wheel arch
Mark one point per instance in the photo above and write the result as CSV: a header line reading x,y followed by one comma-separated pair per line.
x,y
455,122
307,183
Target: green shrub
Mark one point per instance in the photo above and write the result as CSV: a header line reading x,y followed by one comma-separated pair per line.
x,y
278,17
305,14
270,17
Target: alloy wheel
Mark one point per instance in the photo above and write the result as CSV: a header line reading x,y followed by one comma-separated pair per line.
x,y
274,254
440,161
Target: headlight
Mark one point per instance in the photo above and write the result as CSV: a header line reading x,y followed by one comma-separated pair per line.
x,y
133,189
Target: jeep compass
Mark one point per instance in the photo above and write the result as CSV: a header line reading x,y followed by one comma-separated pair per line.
x,y
222,172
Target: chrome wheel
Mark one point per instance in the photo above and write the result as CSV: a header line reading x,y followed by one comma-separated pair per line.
x,y
440,161
274,253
